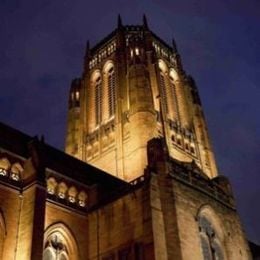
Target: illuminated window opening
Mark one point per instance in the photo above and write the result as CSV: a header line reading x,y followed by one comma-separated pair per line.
x,y
131,53
77,95
179,141
163,90
98,101
55,248
111,92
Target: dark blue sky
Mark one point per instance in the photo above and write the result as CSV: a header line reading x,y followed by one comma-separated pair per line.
x,y
42,46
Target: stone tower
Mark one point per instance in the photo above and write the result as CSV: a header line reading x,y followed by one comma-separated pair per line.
x,y
133,88
135,114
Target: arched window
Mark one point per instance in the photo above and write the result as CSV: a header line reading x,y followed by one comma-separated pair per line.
x,y
210,242
111,91
59,244
98,100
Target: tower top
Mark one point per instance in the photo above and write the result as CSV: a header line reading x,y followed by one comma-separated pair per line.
x,y
131,31
114,109
119,21
145,24
174,46
87,49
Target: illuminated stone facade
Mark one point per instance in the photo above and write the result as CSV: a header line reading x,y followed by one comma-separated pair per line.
x,y
136,115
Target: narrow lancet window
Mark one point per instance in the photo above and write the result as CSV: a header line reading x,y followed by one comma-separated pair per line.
x,y
164,92
98,101
111,92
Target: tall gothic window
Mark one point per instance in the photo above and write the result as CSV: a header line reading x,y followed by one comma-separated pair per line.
x,y
164,91
111,91
55,248
211,247
98,101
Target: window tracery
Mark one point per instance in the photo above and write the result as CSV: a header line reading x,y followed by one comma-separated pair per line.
x,y
59,243
55,248
210,243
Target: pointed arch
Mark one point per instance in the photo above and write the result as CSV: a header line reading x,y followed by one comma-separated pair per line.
x,y
109,82
59,243
95,100
207,211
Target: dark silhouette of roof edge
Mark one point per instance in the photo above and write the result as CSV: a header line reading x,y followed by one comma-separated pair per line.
x,y
17,142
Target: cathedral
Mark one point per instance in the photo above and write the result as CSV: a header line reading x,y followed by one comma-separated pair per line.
x,y
138,179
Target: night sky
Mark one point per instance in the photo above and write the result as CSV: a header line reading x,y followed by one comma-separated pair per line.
x,y
42,46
